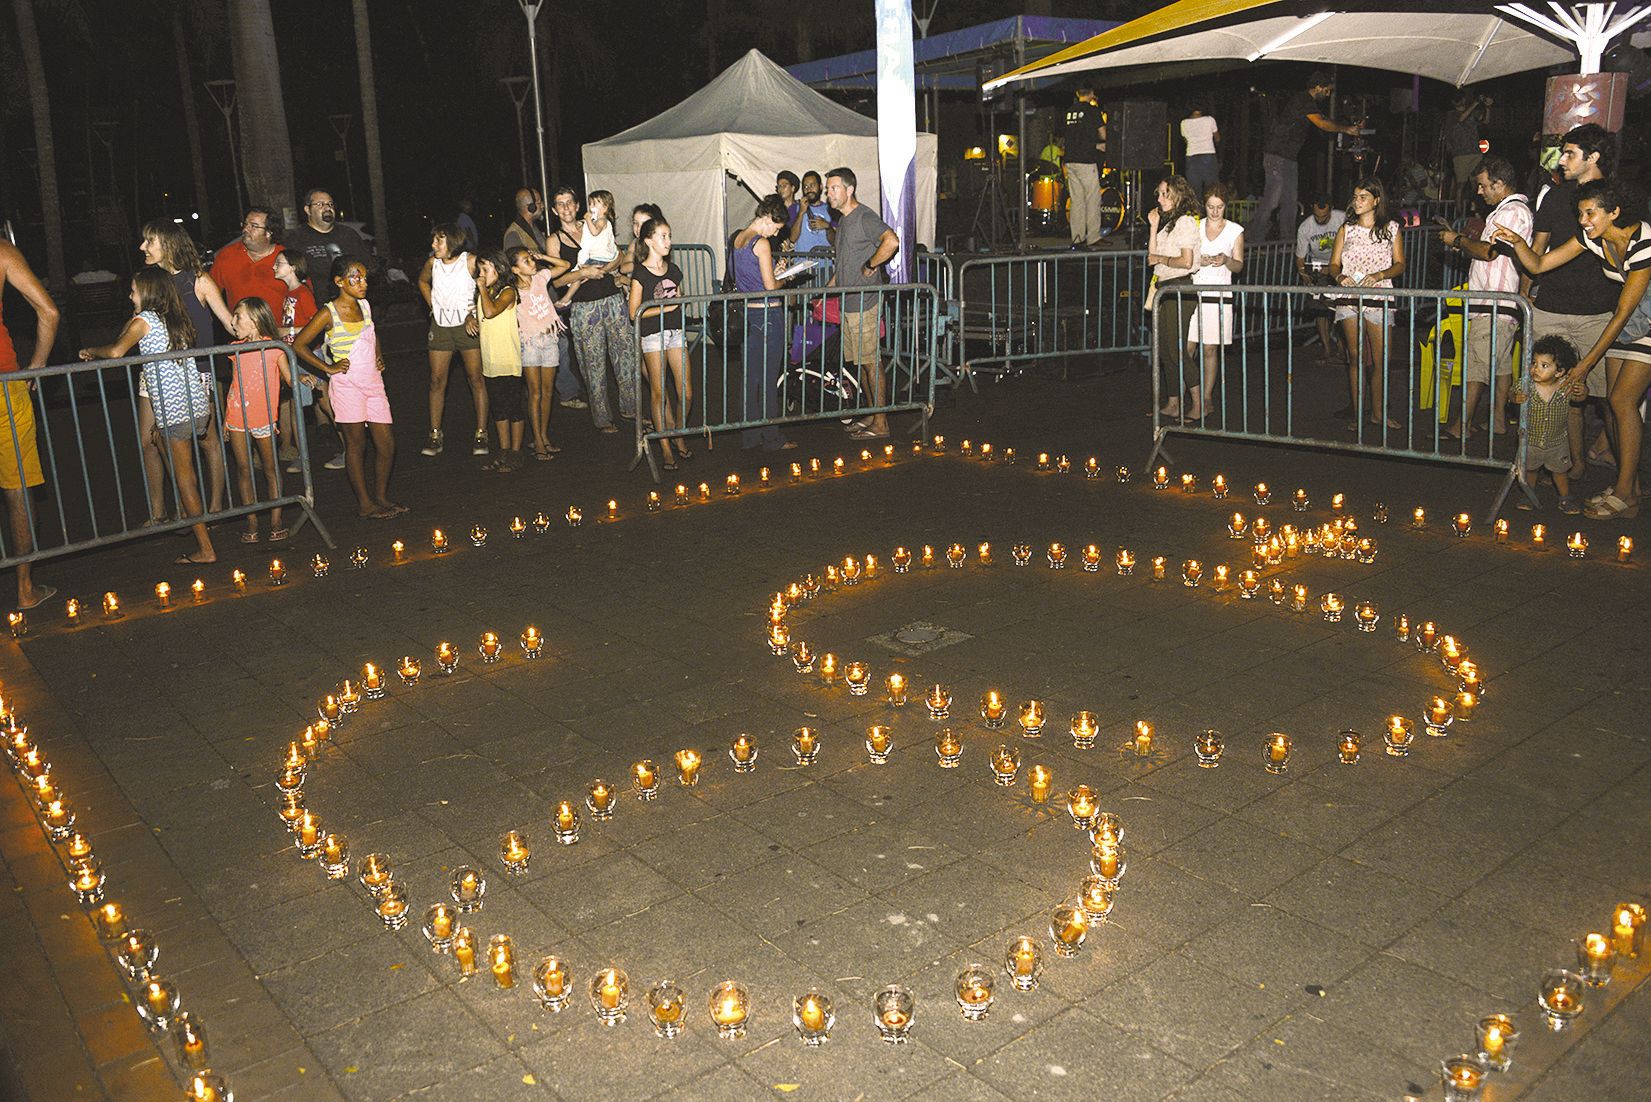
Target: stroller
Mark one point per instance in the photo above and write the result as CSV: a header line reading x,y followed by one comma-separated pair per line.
x,y
818,380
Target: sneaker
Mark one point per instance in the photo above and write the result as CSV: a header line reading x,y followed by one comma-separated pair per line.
x,y
575,403
433,448
294,467
336,463
479,447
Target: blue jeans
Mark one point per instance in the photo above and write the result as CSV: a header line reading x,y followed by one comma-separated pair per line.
x,y
1202,171
764,365
1278,195
567,379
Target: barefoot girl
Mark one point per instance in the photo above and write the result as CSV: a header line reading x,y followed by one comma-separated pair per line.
x,y
250,410
357,373
541,332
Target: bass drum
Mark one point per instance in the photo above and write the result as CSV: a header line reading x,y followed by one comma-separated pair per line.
x,y
1047,201
1112,211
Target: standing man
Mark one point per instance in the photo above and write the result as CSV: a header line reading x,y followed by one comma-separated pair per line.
x,y
1315,242
1085,149
19,457
1281,151
1493,328
1461,140
864,244
324,239
245,268
1201,134
1576,300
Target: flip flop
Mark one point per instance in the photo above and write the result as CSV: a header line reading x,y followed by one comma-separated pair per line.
x,y
867,434
252,537
42,594
191,560
280,535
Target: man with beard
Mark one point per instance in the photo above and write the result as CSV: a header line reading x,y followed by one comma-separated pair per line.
x,y
323,239
1282,147
245,268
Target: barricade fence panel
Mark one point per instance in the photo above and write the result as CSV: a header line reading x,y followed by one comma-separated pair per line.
x,y
784,356
119,448
1018,309
1414,358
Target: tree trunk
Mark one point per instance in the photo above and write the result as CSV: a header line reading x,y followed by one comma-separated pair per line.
x,y
191,125
51,207
266,149
369,125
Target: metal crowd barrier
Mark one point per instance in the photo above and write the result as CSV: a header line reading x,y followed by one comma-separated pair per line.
x,y
800,372
699,269
1262,393
98,489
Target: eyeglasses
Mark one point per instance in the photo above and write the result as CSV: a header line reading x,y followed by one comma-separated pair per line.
x,y
255,225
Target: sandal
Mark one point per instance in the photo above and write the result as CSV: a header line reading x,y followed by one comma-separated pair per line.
x,y
279,535
192,560
498,466
1569,505
252,537
867,434
668,464
1612,507
42,594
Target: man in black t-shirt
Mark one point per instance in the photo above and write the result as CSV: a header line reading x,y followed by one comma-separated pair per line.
x,y
1085,143
1281,150
322,238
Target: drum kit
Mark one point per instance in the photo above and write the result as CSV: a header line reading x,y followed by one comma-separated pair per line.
x,y
1047,200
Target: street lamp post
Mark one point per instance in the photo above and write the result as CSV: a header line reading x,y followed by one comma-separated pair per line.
x,y
518,87
341,127
530,11
223,97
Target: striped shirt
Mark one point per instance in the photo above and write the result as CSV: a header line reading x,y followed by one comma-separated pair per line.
x,y
1636,256
1500,273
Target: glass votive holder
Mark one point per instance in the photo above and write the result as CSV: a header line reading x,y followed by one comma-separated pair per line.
x,y
1276,752
993,709
895,684
1366,616
901,559
447,657
667,1005
189,1041
1576,544
564,822
86,880
1095,896
742,751
1039,781
1160,478
1249,584
1056,556
1125,561
1032,718
830,669
1628,929
879,741
1085,726
137,954
392,906
1192,572
609,991
467,887
645,779
1090,558
1141,743
1108,829
514,852
409,669
805,745
812,1017
687,767
1497,1035
1439,713
939,701
1398,736
1348,747
1023,963
1005,765
857,675
1218,486
1207,747
532,642
1068,926
1331,606
1160,568
1021,554
1401,628
464,951
440,925
974,992
893,1009
1081,805
730,1006
599,800
1122,474
552,986
1109,861
802,656
157,1004
1595,957
375,873
956,556
1237,526
1560,997
948,748
1463,1077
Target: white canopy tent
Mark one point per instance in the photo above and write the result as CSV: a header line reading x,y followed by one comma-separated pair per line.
x,y
706,160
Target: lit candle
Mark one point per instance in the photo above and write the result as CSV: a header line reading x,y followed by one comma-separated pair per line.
x,y
566,820
1348,745
1298,598
1399,735
1418,518
1085,726
851,570
1207,748
666,1004
894,1009
939,701
1366,616
1091,467
550,983
111,606
1005,764
1039,780
1068,926
1125,560
447,656
829,671
1160,478
309,833
645,779
955,556
896,685
837,465
408,669
1332,605
1625,548
1032,719
1106,860
1628,928
705,491
1023,963
948,747
805,745
1263,494
993,709
1249,584
1189,484
812,1016
857,675
1043,461
1439,714
1278,752
1142,742
1539,535
1192,572
514,852
1577,545
1298,500
159,998
985,451
730,1007
926,561
1218,486
438,541
489,647
501,958
1237,525
879,740
335,856
1497,1034
687,767
398,552
71,611
1560,996
872,568
1080,804
111,921
1123,474
464,951
974,992
1463,525
1427,636
1463,1078
392,906
1596,955
802,656
613,506
1095,896
59,818
439,925
743,752
518,528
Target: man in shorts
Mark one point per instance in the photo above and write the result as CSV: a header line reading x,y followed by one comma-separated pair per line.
x,y
1315,242
19,457
864,244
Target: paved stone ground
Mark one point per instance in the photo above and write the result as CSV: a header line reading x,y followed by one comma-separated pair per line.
x,y
1331,932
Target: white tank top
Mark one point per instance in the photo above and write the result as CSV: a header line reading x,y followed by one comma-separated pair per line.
x,y
452,290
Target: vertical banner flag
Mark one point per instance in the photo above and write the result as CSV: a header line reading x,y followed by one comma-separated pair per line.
x,y
897,130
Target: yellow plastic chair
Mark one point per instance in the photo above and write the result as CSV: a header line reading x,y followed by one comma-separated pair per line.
x,y
1441,367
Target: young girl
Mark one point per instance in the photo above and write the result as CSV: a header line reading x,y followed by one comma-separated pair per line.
x,y
1220,254
655,277
502,359
448,284
1368,253
250,410
1172,250
1548,409
540,330
596,243
292,268
182,404
356,369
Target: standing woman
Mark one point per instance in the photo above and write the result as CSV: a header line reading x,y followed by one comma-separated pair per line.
x,y
656,277
356,368
1172,250
1220,257
751,257
601,332
168,247
1623,248
1368,253
448,284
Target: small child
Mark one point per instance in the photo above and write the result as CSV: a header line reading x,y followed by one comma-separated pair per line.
x,y
250,410
502,359
596,243
1547,440
539,328
297,308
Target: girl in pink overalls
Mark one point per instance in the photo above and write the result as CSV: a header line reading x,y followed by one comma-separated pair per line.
x,y
356,368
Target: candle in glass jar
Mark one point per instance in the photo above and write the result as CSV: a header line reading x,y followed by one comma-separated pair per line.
x,y
1085,726
1039,780
1628,929
439,923
879,739
1539,535
1596,955
1399,735
1263,493
645,778
1080,804
514,851
1218,486
111,921
857,676
743,752
501,958
828,668
730,1007
1463,525
1577,544
812,1011
805,745
993,708
1142,743
1348,746
1023,964
447,656
948,747
1032,719
1068,926
1278,752
464,950
687,767
897,689
408,669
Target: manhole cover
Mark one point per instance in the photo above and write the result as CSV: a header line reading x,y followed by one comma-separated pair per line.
x,y
918,634
920,637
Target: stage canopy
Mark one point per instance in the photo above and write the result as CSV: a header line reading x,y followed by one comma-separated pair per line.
x,y
706,160
950,61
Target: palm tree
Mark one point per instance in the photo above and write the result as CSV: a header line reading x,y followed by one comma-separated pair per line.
x,y
51,206
266,148
369,125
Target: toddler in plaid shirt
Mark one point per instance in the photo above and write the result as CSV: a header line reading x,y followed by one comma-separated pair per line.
x,y
1548,401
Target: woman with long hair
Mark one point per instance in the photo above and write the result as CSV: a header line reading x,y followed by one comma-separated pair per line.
x,y
1368,253
751,259
601,332
1172,250
1220,256
448,284
654,278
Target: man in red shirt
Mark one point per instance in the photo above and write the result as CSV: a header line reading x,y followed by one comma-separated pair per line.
x,y
245,268
19,458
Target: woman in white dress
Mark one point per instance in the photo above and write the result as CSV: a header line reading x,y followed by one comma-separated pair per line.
x,y
1220,257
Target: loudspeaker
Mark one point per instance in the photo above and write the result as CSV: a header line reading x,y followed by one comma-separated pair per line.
x,y
987,71
1137,134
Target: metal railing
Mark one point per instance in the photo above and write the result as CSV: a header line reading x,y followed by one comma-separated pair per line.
x,y
1250,387
788,356
108,475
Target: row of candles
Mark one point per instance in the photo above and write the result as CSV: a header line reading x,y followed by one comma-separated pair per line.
x,y
1560,997
156,1000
